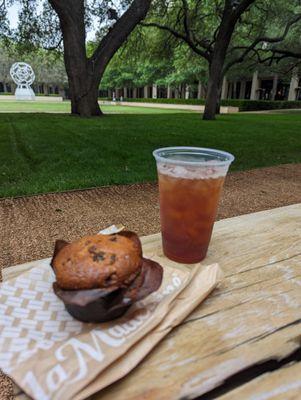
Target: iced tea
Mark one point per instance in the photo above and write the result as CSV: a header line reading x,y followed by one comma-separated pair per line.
x,y
189,197
188,209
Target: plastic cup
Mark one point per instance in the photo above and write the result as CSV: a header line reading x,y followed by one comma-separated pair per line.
x,y
190,184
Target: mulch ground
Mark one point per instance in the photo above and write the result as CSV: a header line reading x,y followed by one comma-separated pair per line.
x,y
30,225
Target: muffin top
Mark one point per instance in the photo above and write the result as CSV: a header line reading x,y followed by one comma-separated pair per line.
x,y
99,261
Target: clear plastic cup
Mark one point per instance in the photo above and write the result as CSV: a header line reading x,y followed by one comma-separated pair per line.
x,y
190,184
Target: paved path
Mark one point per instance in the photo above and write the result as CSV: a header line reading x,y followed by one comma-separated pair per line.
x,y
187,107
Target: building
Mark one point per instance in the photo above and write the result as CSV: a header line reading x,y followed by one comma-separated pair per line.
x,y
263,87
255,87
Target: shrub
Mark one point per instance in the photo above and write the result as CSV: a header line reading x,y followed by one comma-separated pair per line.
x,y
243,105
257,105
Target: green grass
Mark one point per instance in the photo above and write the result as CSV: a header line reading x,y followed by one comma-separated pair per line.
x,y
52,152
64,107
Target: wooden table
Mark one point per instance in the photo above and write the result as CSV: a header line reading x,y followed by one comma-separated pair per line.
x,y
244,341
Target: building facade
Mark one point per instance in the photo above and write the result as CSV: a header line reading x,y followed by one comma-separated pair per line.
x,y
38,87
255,87
263,87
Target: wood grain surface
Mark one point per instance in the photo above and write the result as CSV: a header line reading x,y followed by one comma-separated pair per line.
x,y
252,318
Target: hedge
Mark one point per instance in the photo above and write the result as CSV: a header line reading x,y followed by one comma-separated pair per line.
x,y
243,105
195,102
257,105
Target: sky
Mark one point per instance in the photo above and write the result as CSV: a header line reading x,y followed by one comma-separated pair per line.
x,y
13,15
13,19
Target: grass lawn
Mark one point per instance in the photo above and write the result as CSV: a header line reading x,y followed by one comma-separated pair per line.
x,y
64,107
52,152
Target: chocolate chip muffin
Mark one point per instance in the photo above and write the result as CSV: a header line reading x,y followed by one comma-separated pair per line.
x,y
99,277
99,261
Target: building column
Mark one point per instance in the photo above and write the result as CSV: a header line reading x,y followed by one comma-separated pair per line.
x,y
155,90
234,89
168,92
293,86
255,86
145,92
224,88
242,92
135,93
186,92
200,91
274,88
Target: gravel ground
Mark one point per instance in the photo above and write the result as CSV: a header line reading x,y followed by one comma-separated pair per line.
x,y
30,225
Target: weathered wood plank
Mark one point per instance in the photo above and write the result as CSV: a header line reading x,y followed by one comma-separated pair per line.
x,y
202,353
249,241
254,315
284,383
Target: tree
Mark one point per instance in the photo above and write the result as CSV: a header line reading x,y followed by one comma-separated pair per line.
x,y
152,56
223,32
142,60
69,25
186,73
282,53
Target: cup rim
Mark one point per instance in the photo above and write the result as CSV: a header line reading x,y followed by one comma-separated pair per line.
x,y
229,157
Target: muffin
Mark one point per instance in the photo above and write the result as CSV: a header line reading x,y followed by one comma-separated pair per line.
x,y
99,277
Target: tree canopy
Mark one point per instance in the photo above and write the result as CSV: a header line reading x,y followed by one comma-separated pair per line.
x,y
64,24
179,42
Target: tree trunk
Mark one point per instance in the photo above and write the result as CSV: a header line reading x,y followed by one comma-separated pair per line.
x,y
83,92
83,79
217,62
212,105
86,105
84,74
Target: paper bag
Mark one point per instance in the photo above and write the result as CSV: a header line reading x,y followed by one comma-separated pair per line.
x,y
52,356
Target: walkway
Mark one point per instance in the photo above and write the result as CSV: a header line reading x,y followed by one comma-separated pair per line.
x,y
187,107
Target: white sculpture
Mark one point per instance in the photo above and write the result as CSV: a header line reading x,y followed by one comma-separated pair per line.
x,y
23,76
